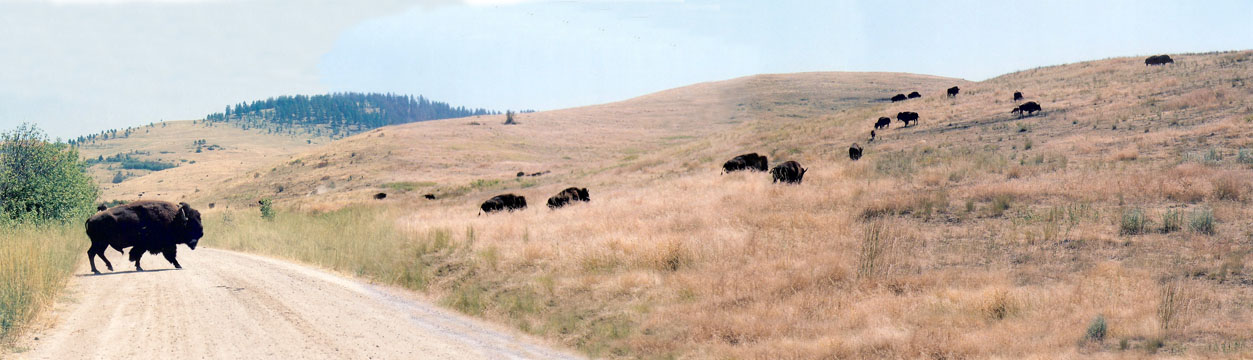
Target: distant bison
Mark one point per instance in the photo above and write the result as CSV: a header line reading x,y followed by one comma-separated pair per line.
x,y
883,123
143,226
567,196
952,92
789,172
871,136
380,196
914,95
521,174
429,196
102,207
898,97
854,152
1158,60
907,117
1017,95
1027,109
508,202
750,161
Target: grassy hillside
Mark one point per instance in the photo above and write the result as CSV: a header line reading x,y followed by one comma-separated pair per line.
x,y
457,156
1111,225
226,150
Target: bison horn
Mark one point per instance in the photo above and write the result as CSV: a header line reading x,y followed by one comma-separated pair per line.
x,y
182,213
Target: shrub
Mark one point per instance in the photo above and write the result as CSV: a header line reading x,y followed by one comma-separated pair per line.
x,y
119,177
1245,156
1000,203
1097,329
1172,221
42,181
1202,221
1228,188
267,209
1134,222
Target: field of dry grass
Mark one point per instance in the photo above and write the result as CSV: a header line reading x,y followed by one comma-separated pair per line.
x,y
1111,225
35,263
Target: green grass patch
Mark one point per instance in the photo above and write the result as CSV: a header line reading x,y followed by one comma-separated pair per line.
x,y
408,185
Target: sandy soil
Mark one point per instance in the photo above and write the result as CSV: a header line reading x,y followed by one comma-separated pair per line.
x,y
227,305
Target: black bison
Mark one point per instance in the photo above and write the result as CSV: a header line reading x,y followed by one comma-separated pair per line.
x,y
952,92
907,117
898,97
750,161
102,207
380,196
1026,109
1017,95
883,123
854,152
789,172
429,196
144,226
914,95
871,136
509,202
521,174
1158,60
567,196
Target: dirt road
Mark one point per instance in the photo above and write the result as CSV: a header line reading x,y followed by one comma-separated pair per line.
x,y
227,305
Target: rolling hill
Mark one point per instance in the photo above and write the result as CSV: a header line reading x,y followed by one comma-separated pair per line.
x,y
1109,225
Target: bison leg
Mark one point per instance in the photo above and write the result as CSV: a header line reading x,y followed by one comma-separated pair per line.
x,y
169,253
91,257
136,254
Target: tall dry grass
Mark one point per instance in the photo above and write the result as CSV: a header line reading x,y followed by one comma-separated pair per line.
x,y
35,263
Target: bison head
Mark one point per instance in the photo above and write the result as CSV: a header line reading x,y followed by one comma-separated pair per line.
x,y
583,195
189,219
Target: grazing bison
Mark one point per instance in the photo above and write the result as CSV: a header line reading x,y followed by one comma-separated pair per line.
x,y
1026,109
883,123
952,92
380,196
789,172
567,196
898,97
871,136
144,226
1017,95
521,174
750,161
509,202
914,95
429,196
854,152
1158,60
907,117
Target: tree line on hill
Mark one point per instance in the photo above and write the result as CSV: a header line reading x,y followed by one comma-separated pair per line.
x,y
337,115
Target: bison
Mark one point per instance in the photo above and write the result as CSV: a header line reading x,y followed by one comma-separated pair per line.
x,y
508,202
1158,60
521,174
898,97
789,172
883,123
144,226
907,117
567,196
914,95
871,136
854,152
102,207
952,92
429,196
380,196
1017,96
1026,109
750,161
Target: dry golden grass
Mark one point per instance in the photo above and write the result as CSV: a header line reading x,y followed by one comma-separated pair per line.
x,y
35,263
974,234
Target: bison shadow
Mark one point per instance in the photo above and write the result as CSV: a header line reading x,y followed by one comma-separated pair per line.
x,y
123,272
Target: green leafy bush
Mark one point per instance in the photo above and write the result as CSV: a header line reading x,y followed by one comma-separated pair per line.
x,y
42,181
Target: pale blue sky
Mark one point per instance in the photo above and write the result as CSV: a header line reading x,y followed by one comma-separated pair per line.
x,y
79,66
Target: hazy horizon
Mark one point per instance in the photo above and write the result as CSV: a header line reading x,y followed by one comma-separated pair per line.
x,y
80,66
